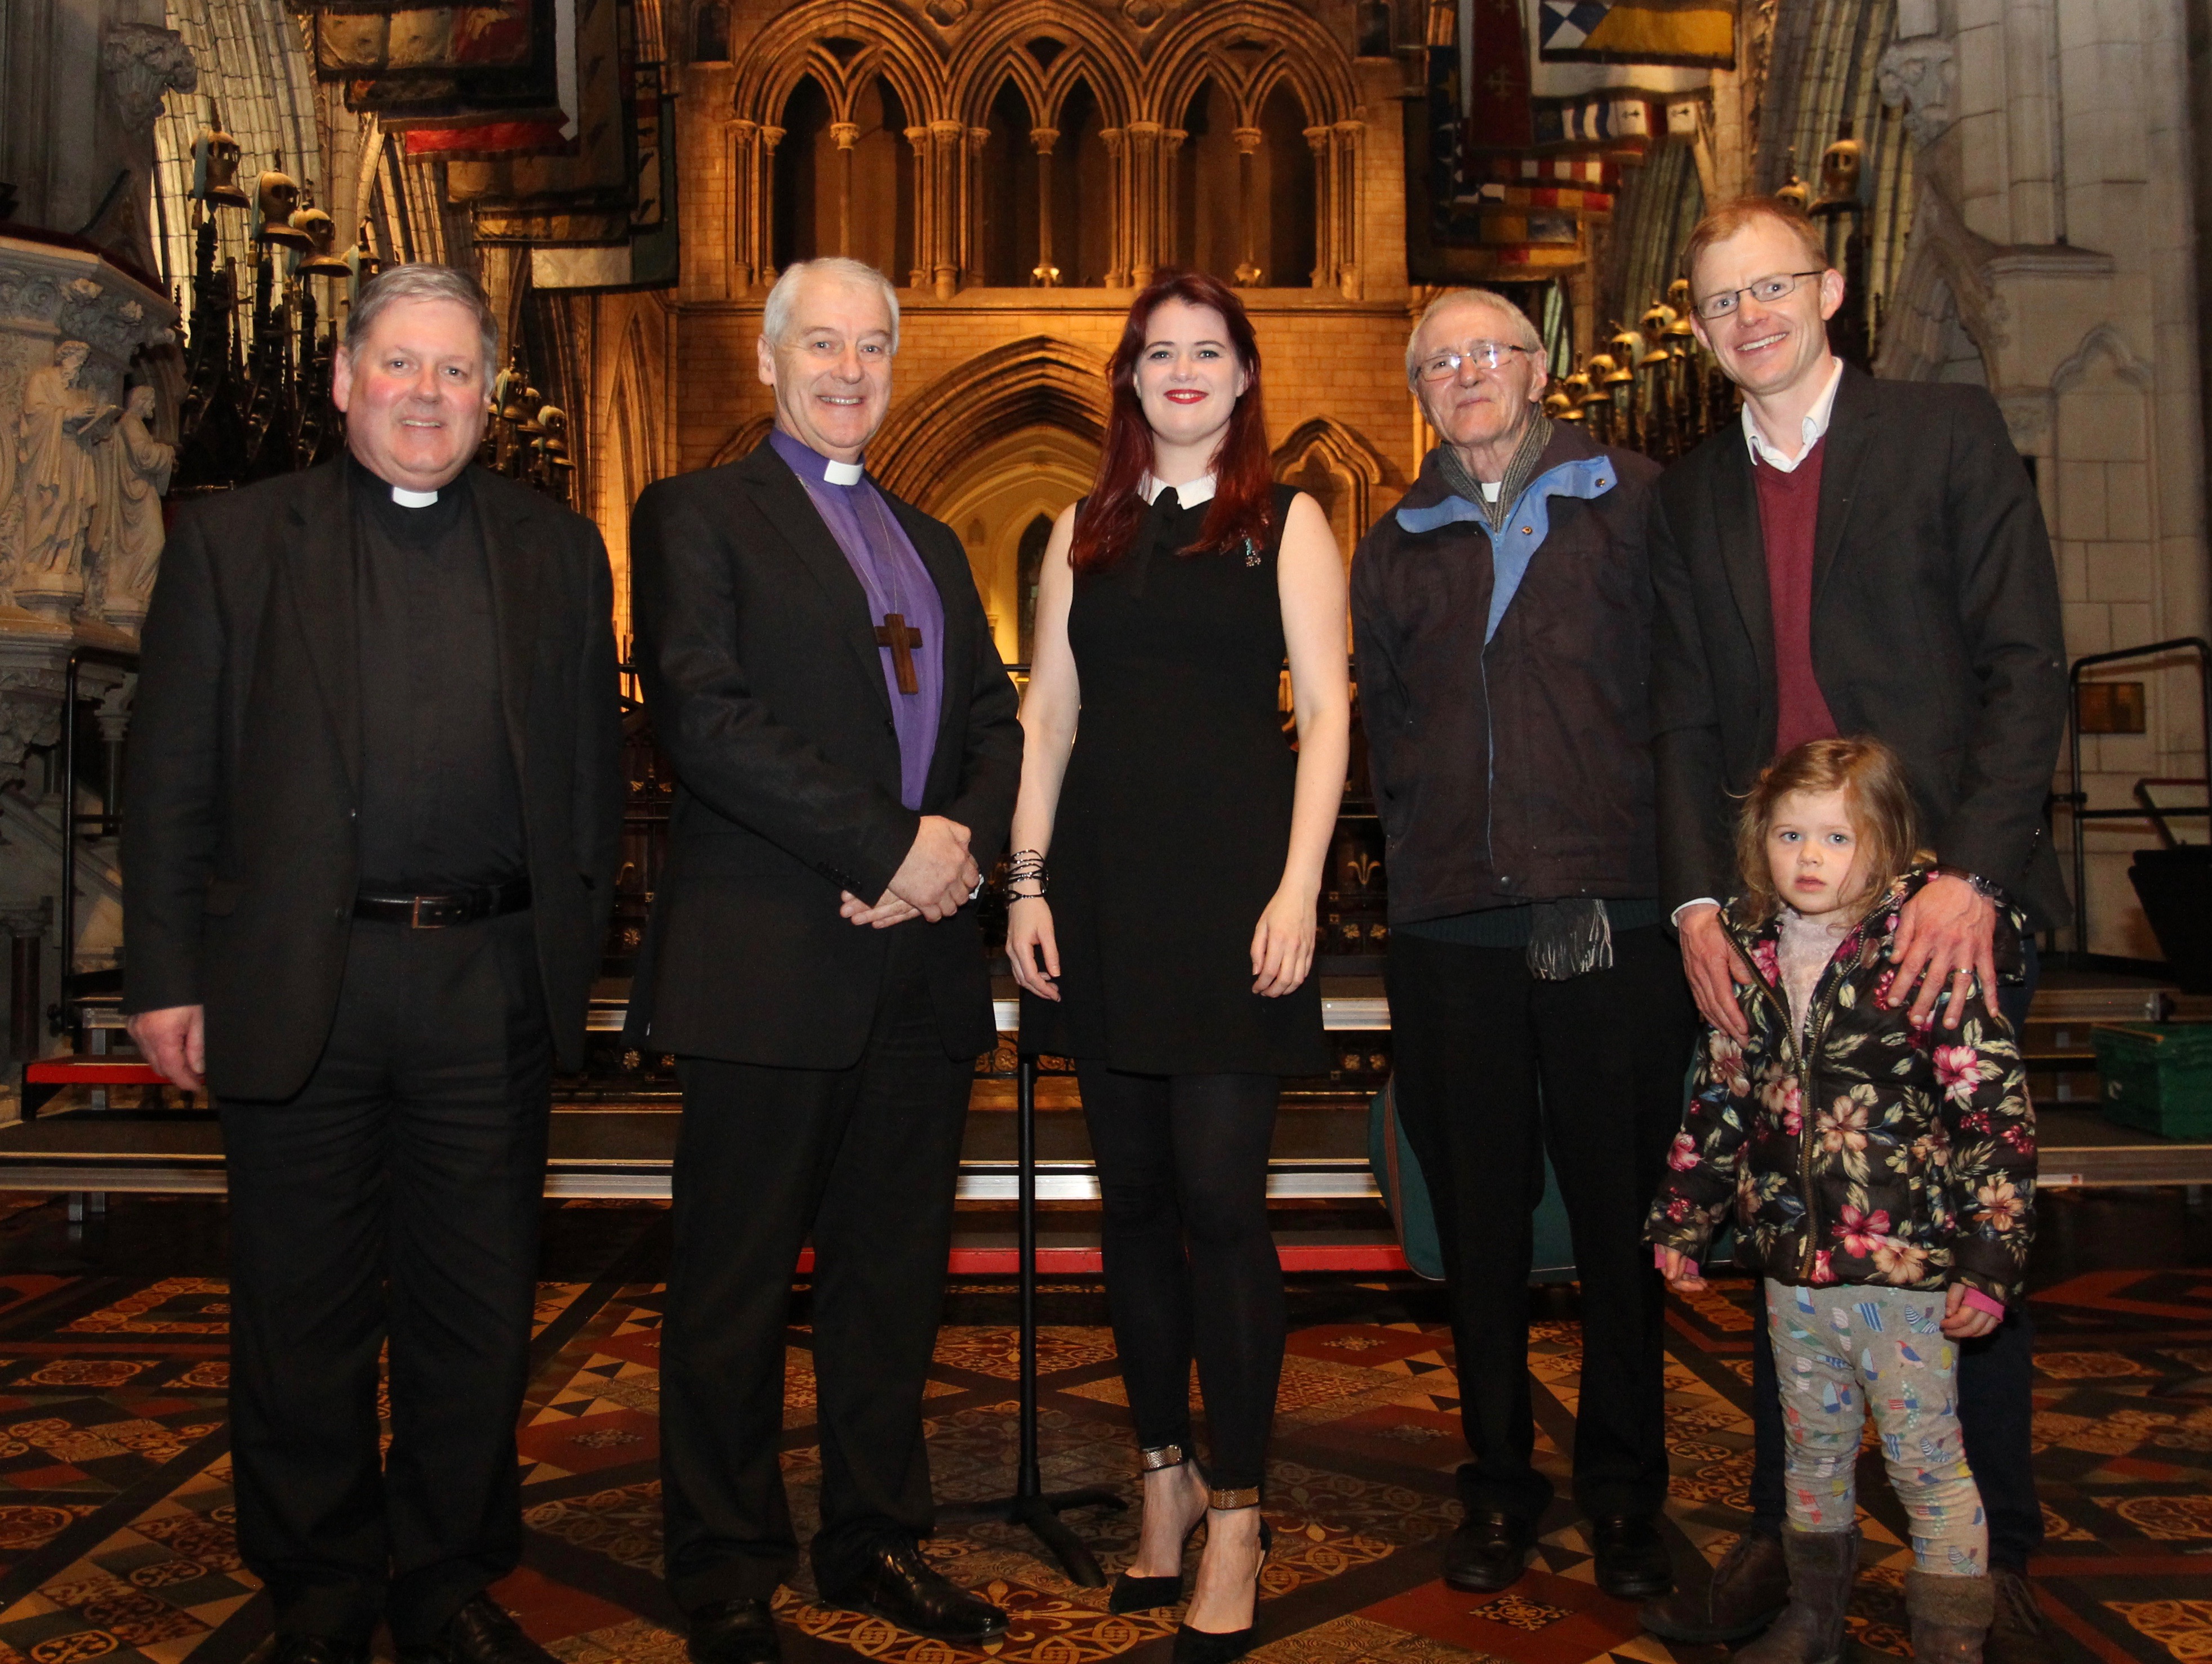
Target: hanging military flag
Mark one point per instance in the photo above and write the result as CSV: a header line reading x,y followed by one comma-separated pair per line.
x,y
1693,33
458,81
1498,94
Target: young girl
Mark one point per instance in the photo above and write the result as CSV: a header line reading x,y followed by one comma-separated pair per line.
x,y
1881,1174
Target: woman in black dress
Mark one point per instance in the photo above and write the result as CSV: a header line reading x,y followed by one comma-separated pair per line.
x,y
1184,842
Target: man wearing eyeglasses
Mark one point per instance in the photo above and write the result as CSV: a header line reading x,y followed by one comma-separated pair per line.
x,y
1503,617
1858,557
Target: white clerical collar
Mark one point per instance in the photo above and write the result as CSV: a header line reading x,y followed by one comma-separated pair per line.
x,y
1197,491
1810,427
841,473
407,499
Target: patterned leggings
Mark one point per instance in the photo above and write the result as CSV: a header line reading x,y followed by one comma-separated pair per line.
x,y
1907,1370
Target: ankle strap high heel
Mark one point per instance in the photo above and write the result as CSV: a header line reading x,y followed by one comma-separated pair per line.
x,y
1226,1646
1133,1594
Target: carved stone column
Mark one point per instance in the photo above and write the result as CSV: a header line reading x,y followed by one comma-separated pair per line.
x,y
925,208
752,227
971,219
1143,146
1118,235
1343,171
138,63
1041,140
25,928
1322,141
950,195
845,135
1247,140
1168,249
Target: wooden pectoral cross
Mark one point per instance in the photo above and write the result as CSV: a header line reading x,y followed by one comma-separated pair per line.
x,y
901,639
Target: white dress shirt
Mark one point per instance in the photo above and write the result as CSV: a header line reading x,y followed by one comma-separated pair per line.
x,y
1813,424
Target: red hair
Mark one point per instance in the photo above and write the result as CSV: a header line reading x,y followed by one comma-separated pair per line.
x,y
1243,501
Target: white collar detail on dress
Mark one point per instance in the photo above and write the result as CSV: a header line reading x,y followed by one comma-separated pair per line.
x,y
1197,491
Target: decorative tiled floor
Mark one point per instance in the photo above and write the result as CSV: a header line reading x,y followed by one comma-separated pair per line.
x,y
115,1517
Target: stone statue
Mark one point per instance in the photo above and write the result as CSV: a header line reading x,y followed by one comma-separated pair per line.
x,y
125,543
60,426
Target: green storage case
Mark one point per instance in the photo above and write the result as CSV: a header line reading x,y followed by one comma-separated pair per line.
x,y
2157,1077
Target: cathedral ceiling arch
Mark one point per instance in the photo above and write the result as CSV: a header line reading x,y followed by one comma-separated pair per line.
x,y
1248,46
1103,57
1039,382
796,45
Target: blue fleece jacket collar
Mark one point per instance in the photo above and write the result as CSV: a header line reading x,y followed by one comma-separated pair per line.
x,y
1526,528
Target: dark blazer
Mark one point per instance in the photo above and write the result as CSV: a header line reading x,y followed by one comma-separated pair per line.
x,y
240,853
1936,629
765,684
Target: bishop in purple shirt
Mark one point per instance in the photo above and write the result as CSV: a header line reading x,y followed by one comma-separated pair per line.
x,y
818,667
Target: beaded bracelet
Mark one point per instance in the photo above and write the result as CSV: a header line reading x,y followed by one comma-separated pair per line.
x,y
1026,866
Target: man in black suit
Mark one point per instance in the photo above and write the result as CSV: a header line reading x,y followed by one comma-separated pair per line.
x,y
818,665
1857,557
373,818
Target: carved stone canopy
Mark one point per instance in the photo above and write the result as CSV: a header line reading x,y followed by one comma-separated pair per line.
x,y
142,62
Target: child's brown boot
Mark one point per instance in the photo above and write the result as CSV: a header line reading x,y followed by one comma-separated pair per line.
x,y
1810,1630
1950,1616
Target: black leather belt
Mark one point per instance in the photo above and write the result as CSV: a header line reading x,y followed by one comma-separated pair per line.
x,y
462,906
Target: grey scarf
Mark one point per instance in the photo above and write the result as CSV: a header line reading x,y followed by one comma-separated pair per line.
x,y
1568,937
1522,469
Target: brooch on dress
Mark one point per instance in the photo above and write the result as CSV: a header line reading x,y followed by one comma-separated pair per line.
x,y
1251,553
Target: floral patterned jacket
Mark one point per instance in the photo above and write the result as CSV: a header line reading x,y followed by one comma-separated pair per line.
x,y
1879,1152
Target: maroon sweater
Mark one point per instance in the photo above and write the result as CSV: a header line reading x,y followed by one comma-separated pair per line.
x,y
1789,510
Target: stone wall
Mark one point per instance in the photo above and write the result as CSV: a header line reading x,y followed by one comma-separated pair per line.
x,y
2054,259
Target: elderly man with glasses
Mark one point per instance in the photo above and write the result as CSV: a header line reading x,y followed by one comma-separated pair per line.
x,y
1502,613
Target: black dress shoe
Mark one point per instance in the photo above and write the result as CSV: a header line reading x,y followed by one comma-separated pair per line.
x,y
310,1650
1489,1552
1632,1556
733,1633
481,1632
898,1586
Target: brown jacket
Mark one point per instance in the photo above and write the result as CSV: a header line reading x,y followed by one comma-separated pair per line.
x,y
1519,771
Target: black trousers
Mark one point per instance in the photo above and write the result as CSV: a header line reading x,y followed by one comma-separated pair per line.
x,y
1190,1263
1997,1403
1494,1068
865,1160
395,1198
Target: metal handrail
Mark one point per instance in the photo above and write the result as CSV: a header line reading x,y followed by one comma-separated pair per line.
x,y
108,820
2076,799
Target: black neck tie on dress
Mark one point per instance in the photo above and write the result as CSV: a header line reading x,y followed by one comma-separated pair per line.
x,y
1159,521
